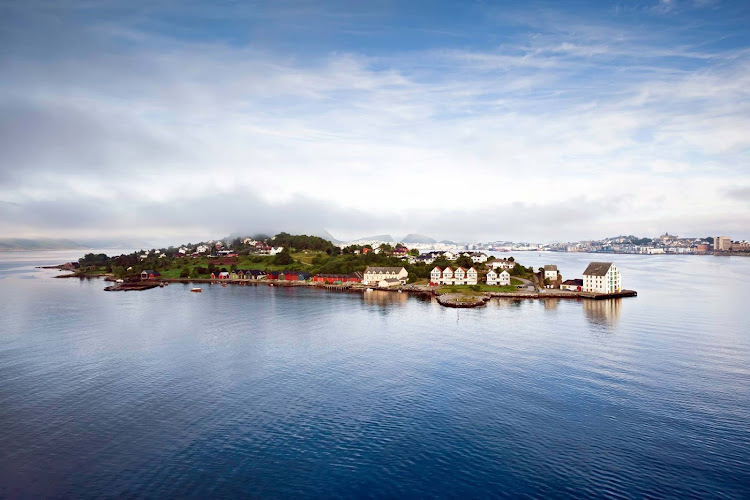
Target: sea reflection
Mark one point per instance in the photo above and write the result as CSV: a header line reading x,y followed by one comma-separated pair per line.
x,y
602,312
383,298
550,304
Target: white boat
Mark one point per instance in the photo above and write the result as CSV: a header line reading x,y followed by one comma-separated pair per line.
x,y
196,289
119,281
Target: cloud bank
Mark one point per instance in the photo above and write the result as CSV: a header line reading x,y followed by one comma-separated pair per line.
x,y
115,121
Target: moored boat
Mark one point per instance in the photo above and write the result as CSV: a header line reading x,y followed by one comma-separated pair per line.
x,y
196,289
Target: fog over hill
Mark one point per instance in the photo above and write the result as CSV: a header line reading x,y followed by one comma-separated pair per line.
x,y
417,238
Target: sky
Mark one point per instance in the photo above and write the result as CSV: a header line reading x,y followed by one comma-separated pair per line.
x,y
468,120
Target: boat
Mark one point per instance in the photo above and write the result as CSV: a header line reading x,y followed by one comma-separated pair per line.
x,y
223,284
119,281
196,289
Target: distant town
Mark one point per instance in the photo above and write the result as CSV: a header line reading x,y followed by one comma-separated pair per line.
x,y
664,244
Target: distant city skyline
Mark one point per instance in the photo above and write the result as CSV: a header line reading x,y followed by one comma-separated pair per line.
x,y
539,121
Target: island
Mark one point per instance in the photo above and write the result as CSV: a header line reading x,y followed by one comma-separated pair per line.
x,y
457,279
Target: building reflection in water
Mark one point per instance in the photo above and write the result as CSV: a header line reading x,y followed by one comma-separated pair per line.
x,y
380,297
602,312
550,304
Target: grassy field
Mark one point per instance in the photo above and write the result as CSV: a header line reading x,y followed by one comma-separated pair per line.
x,y
482,287
305,258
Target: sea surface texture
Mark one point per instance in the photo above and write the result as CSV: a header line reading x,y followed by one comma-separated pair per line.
x,y
256,391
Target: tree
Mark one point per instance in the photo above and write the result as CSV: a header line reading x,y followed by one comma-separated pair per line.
x,y
185,273
196,272
511,259
118,271
414,252
464,262
283,258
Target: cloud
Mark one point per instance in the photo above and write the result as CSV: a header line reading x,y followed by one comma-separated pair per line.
x,y
569,130
739,193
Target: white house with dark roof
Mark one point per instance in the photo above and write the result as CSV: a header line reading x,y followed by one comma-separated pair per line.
x,y
602,277
550,272
501,278
378,274
501,264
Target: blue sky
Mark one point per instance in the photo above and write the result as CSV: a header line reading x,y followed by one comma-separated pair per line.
x,y
534,121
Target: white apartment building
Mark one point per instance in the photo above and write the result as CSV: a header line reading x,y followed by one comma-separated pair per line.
x,y
602,277
501,278
448,276
375,275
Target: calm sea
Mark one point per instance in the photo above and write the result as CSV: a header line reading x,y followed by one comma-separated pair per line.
x,y
294,392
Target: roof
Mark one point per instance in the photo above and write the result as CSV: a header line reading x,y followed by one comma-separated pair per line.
x,y
550,267
597,269
391,280
575,282
438,268
383,269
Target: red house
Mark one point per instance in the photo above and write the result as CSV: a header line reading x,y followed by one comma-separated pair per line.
x,y
333,278
400,252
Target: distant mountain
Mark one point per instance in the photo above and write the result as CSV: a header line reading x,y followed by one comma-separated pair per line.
x,y
417,238
377,237
8,244
449,242
326,236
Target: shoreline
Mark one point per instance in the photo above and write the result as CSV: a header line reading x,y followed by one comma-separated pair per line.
x,y
450,299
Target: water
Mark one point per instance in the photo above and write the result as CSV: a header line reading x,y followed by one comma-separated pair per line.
x,y
294,392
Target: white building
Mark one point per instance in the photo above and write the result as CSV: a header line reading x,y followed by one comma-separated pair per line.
x,y
478,257
447,276
377,274
550,272
499,279
501,264
602,277
202,249
389,283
